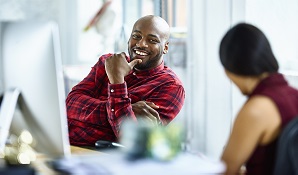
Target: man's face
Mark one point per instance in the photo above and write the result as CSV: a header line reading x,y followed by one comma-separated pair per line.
x,y
148,43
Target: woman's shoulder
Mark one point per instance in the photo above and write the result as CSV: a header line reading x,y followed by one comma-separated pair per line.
x,y
259,107
262,115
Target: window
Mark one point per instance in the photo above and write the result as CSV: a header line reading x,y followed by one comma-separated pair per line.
x,y
111,32
280,25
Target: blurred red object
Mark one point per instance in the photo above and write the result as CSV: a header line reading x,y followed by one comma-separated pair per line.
x,y
98,15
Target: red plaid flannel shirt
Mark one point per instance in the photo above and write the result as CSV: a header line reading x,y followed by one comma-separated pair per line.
x,y
96,109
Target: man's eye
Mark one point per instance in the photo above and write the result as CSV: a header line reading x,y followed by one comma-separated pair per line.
x,y
135,36
153,41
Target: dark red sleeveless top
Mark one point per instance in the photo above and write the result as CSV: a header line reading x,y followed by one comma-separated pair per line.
x,y
286,99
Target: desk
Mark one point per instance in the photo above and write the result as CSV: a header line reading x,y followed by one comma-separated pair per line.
x,y
183,164
41,162
114,163
83,151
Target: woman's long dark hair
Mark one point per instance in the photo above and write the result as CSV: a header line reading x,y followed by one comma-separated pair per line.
x,y
245,50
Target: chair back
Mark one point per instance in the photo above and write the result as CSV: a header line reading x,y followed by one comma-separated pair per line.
x,y
287,150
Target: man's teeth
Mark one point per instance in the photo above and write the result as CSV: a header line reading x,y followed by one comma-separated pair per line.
x,y
141,53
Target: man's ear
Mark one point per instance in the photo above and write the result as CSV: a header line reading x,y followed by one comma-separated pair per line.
x,y
166,48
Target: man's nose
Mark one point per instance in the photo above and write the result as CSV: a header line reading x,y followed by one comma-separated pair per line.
x,y
141,43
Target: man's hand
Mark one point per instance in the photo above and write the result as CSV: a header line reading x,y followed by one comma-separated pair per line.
x,y
117,67
146,110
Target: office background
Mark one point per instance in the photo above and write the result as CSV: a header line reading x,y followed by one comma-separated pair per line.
x,y
212,101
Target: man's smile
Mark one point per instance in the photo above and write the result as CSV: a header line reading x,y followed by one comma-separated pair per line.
x,y
141,52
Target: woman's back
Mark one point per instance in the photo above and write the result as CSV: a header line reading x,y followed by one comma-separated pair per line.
x,y
250,64
285,98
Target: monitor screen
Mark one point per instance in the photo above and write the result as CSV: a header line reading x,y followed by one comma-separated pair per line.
x,y
31,60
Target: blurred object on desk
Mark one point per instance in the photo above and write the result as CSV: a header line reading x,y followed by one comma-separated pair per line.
x,y
19,149
75,166
18,155
17,170
143,140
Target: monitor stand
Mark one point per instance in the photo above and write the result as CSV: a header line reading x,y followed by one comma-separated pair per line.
x,y
7,109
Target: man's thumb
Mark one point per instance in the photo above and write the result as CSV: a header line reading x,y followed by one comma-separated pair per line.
x,y
135,62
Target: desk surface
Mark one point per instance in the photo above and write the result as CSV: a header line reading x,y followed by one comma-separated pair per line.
x,y
114,163
183,164
43,169
79,150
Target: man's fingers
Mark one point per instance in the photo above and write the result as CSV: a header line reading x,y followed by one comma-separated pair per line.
x,y
147,110
154,113
152,117
152,105
134,62
123,54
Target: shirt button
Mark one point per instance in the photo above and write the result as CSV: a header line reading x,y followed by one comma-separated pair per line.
x,y
112,90
112,110
134,73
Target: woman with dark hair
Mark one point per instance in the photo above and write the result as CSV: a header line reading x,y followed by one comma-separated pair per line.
x,y
250,64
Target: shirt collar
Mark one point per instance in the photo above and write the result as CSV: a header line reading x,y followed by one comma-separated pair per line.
x,y
146,73
274,79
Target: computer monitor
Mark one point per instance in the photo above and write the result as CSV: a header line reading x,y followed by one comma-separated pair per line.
x,y
31,60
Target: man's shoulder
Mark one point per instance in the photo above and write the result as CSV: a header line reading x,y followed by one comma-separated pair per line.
x,y
104,57
171,76
170,72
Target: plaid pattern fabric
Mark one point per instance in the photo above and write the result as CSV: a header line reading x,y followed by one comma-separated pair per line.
x,y
96,108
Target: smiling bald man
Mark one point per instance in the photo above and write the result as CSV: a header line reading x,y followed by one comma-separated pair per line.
x,y
120,87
